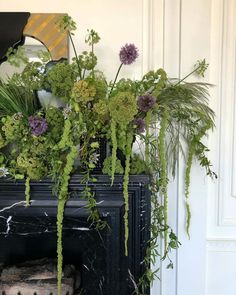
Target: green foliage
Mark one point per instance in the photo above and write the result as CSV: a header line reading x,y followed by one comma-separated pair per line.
x,y
2,141
32,77
125,85
98,80
196,148
67,24
55,120
17,99
92,37
101,108
123,107
154,81
138,165
14,127
32,165
16,56
87,60
107,166
61,78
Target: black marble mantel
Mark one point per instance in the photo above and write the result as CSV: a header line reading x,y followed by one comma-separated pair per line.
x,y
30,232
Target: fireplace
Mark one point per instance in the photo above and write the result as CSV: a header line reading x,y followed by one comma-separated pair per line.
x,y
29,233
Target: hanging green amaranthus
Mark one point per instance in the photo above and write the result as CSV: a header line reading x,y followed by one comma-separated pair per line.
x,y
196,148
114,150
27,191
125,188
63,196
163,169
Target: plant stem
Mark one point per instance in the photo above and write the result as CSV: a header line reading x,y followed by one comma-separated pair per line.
x,y
184,78
115,79
76,55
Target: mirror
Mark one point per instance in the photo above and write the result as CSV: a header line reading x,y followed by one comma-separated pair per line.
x,y
37,31
15,26
32,47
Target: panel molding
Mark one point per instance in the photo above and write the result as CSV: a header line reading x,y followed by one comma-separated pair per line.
x,y
221,245
227,139
222,195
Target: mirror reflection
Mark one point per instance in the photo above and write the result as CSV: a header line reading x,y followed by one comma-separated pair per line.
x,y
32,48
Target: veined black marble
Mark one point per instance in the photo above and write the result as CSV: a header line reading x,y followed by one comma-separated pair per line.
x,y
30,232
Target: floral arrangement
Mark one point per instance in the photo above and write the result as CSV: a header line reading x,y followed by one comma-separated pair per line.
x,y
166,116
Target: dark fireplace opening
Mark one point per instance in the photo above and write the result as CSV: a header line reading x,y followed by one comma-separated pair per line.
x,y
32,238
30,233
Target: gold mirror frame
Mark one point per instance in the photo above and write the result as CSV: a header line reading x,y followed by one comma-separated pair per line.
x,y
45,28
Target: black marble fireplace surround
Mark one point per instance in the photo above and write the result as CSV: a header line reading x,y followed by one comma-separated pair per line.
x,y
28,233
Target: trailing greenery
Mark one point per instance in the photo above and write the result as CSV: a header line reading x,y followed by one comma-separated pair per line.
x,y
63,196
195,150
163,181
163,116
128,152
114,150
27,191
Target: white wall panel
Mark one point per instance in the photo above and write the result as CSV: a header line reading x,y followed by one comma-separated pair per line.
x,y
222,197
221,267
221,233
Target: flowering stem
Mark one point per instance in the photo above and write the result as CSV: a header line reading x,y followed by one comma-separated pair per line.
x,y
184,78
117,74
76,55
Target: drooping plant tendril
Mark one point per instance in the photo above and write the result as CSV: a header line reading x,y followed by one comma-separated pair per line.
x,y
163,182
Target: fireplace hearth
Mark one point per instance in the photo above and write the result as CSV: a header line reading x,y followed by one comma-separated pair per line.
x,y
29,233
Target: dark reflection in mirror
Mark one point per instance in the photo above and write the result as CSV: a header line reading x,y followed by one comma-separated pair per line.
x,y
12,25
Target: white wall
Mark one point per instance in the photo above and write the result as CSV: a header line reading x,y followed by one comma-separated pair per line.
x,y
221,231
174,34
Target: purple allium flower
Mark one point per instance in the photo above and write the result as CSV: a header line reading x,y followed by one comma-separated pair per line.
x,y
140,125
128,54
38,125
146,102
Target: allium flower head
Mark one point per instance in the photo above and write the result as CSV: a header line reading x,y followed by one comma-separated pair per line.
x,y
38,125
3,172
128,54
140,125
146,102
